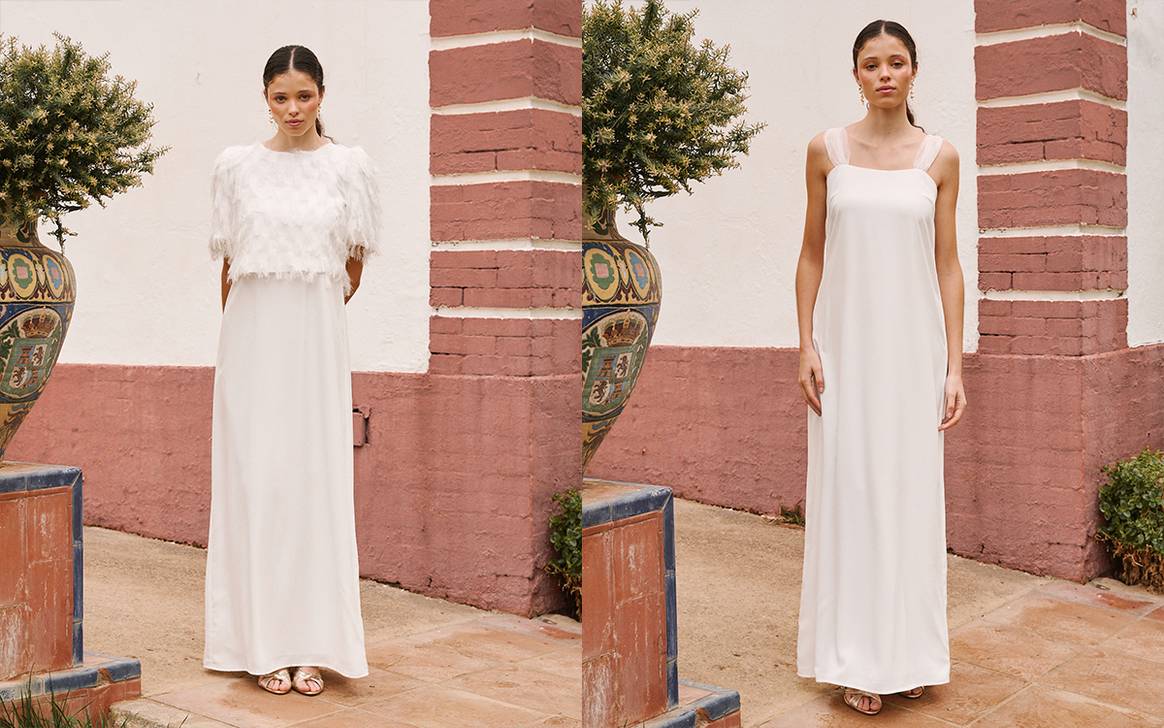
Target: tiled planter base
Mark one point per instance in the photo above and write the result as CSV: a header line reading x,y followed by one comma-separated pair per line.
x,y
630,635
41,605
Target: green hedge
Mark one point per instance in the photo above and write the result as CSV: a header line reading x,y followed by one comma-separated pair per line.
x,y
566,538
1132,503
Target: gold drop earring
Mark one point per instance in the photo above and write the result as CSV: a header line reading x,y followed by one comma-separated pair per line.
x,y
861,96
911,97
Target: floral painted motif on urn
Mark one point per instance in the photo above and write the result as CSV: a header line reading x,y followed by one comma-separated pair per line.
x,y
621,293
37,293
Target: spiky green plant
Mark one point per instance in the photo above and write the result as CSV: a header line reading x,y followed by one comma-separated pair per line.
x,y
67,132
658,110
21,713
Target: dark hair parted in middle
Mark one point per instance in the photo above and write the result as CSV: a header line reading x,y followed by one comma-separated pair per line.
x,y
897,30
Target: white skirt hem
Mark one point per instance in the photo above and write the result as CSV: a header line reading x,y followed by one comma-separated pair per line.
x,y
874,686
347,672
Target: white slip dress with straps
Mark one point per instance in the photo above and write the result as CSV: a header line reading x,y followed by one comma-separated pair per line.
x,y
873,595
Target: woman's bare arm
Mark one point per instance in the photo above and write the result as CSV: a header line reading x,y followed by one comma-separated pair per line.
x,y
811,266
950,280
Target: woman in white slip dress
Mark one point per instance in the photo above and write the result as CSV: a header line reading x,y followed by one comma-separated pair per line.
x,y
879,298
292,219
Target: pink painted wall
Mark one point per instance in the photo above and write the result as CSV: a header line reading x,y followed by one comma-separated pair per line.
x,y
453,489
727,426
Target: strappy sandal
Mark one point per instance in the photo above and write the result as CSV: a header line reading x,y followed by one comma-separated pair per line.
x,y
853,700
280,674
913,694
308,674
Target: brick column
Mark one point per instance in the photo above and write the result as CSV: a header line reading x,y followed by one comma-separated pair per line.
x,y
1050,391
1052,192
505,211
506,163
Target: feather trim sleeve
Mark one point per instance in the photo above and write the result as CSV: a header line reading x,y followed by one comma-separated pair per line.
x,y
222,233
364,219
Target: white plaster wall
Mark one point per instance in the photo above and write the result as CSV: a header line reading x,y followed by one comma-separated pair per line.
x,y
728,252
147,290
1145,172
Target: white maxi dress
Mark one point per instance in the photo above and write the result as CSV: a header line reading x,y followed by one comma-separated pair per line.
x,y
282,573
873,596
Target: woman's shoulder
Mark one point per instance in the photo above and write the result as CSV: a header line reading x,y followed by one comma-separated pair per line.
x,y
946,152
819,143
231,155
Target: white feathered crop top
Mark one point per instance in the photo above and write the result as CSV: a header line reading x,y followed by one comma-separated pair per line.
x,y
295,214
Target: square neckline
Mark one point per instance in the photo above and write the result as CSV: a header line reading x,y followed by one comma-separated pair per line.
x,y
849,147
845,136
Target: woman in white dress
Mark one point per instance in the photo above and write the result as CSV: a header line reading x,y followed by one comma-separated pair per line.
x,y
292,220
879,297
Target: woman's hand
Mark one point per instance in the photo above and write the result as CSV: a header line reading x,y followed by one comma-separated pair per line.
x,y
355,268
955,401
811,377
225,281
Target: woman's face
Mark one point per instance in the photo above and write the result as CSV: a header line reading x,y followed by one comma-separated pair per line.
x,y
885,71
293,97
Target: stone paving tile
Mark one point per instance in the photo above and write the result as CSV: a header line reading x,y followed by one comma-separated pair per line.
x,y
1143,639
354,718
1008,648
427,663
558,662
1116,679
1061,620
379,684
830,711
1132,602
150,713
438,706
243,703
557,721
972,692
527,687
1039,706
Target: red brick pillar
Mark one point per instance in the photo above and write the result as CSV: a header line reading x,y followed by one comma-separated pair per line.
x,y
1051,393
505,209
1052,191
505,203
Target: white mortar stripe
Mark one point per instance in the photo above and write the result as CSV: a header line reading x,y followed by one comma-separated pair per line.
x,y
517,103
1051,97
545,312
510,244
1044,165
1048,231
512,175
1042,31
468,40
1103,294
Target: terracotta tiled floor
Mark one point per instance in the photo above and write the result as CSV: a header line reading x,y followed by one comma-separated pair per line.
x,y
432,663
497,670
1026,651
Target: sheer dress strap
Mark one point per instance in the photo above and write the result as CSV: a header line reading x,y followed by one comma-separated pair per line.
x,y
928,152
836,145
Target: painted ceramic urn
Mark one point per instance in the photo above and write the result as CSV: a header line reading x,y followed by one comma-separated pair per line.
x,y
621,292
37,292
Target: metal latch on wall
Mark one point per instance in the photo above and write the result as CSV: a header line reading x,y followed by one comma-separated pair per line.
x,y
360,417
